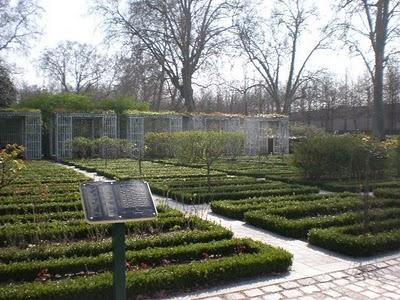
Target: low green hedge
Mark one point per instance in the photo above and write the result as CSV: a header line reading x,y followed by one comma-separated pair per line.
x,y
210,196
36,188
265,260
359,240
299,228
235,209
338,186
151,257
67,215
20,234
40,199
393,193
323,207
29,208
92,248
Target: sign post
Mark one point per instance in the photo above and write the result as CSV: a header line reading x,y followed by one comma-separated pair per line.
x,y
119,276
117,203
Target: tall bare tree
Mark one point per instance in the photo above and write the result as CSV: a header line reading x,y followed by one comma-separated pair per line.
x,y
8,93
392,92
369,28
180,34
18,23
76,67
273,48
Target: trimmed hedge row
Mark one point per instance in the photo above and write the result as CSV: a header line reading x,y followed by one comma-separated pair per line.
x,y
128,169
388,193
264,260
359,240
29,208
325,207
67,215
40,199
202,181
211,196
235,209
20,234
269,185
151,257
93,248
39,188
337,186
299,228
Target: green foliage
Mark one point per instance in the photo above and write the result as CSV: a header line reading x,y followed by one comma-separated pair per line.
x,y
261,259
299,227
104,147
10,163
121,104
237,208
393,193
382,236
329,156
154,257
205,146
159,145
302,130
48,103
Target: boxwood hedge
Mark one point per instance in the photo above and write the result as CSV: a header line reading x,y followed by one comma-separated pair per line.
x,y
359,239
263,260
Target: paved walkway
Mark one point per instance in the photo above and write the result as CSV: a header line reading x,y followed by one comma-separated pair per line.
x,y
315,273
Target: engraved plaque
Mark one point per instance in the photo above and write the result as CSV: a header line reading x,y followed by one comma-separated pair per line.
x,y
117,202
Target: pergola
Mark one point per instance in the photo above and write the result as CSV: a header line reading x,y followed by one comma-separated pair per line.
x,y
22,128
266,134
64,127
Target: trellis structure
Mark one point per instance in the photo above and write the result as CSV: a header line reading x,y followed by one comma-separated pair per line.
x,y
266,134
64,127
22,128
202,122
263,134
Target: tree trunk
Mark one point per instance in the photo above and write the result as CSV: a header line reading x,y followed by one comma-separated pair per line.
x,y
187,91
381,35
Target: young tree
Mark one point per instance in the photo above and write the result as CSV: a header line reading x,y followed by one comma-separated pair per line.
x,y
180,35
369,28
75,66
17,23
205,147
272,47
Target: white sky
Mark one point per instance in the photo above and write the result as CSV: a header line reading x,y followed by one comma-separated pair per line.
x,y
70,20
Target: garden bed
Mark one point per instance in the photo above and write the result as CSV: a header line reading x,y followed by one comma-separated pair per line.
x,y
48,251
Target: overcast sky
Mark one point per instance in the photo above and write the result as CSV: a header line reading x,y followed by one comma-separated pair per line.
x,y
70,20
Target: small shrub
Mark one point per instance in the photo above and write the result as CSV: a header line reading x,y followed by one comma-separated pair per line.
x,y
10,163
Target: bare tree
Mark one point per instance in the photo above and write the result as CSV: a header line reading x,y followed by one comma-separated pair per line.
x,y
369,28
392,92
141,77
76,67
17,23
272,47
8,93
180,34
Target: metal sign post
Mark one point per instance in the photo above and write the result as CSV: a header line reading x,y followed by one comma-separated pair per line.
x,y
119,276
116,203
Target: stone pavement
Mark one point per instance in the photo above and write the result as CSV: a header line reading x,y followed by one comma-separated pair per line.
x,y
375,281
315,273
